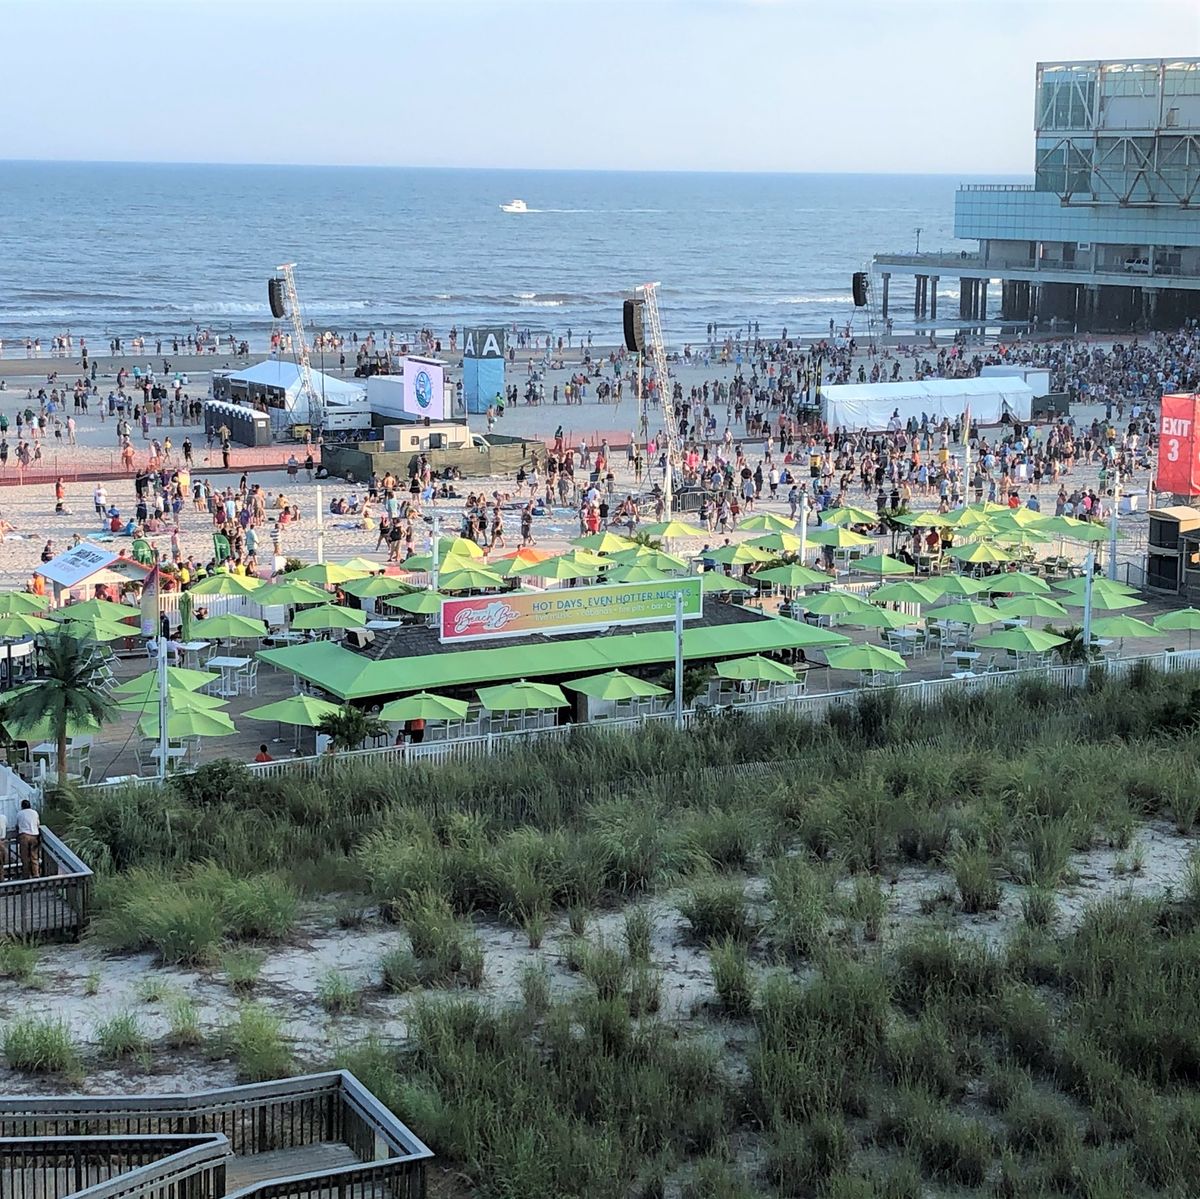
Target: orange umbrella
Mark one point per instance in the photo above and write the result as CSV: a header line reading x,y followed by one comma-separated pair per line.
x,y
527,555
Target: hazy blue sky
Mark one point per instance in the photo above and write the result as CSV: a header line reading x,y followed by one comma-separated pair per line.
x,y
781,85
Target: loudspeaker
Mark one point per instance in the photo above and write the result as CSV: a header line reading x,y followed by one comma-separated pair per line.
x,y
635,334
859,284
359,638
275,298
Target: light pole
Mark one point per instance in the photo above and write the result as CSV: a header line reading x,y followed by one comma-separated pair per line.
x,y
1090,567
918,249
679,659
1112,529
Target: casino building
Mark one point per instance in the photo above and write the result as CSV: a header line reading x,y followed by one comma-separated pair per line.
x,y
1107,237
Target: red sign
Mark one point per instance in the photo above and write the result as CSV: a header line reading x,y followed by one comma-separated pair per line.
x,y
1179,445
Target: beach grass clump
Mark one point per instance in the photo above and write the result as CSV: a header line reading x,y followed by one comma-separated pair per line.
x,y
18,960
535,988
802,1158
644,995
605,965
121,1036
257,1045
733,980
800,898
975,878
40,1045
337,993
152,988
639,933
241,967
951,1148
183,1023
724,838
715,910
443,951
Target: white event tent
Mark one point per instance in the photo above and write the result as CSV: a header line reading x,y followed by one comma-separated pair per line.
x,y
275,383
870,407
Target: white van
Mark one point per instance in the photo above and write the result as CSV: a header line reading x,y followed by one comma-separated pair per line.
x,y
1138,266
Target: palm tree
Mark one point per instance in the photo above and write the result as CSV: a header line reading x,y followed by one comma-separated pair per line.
x,y
68,693
350,727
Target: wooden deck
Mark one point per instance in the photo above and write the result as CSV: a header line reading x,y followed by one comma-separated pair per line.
x,y
241,1171
27,915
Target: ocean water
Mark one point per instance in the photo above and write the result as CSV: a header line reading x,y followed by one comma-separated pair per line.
x,y
161,250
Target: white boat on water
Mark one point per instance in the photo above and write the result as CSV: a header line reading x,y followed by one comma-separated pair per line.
x,y
514,206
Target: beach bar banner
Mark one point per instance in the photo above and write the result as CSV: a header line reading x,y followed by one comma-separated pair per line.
x,y
1179,445
568,609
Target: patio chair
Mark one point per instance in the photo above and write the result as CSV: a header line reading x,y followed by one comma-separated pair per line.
x,y
247,678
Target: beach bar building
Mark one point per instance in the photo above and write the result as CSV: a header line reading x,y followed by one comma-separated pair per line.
x,y
1107,236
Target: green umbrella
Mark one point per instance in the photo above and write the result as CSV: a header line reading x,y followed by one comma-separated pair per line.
x,y
1099,585
375,587
19,624
328,616
603,543
671,530
178,678
839,538
716,582
1183,620
960,585
304,711
849,515
1021,538
99,608
1022,640
44,730
777,543
470,578
737,555
586,557
966,612
638,574
1016,582
420,603
425,706
179,699
756,669
1122,627
1031,606
979,551
865,657
1093,534
904,592
1104,601
1020,518
880,618
766,522
615,685
882,564
22,602
655,559
793,575
227,626
186,608
326,574
226,584
508,568
193,723
367,565
522,696
95,629
560,568
836,603
290,591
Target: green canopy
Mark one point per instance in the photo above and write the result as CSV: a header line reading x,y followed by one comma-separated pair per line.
x,y
23,602
562,567
672,530
1020,518
616,685
904,592
522,696
304,711
1099,584
508,568
21,624
848,514
637,573
966,612
603,543
326,574
777,543
766,522
425,706
879,618
367,565
960,585
1093,534
179,699
226,584
178,678
865,657
836,603
1015,582
979,551
1022,640
1030,606
472,578
1179,621
716,582
44,730
756,669
91,628
227,626
194,723
375,587
420,603
737,555
839,538
290,592
100,608
882,564
792,575
329,616
655,559
1103,601
1122,627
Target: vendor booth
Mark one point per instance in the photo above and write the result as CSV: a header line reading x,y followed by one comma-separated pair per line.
x,y
875,407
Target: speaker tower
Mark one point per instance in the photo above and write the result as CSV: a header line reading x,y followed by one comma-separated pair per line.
x,y
275,298
635,333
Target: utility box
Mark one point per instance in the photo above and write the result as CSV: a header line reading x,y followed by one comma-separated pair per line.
x,y
1173,550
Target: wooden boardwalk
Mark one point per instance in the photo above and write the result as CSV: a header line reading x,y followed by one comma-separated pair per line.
x,y
241,1171
32,915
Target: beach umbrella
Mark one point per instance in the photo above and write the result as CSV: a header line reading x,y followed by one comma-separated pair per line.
x,y
1031,606
905,591
424,706
1121,627
1015,582
21,624
179,699
880,618
836,603
603,543
882,564
848,514
304,711
22,602
1093,534
1022,640
976,552
375,587
756,669
186,608
616,685
590,558
1103,601
792,575
1020,518
527,555
766,522
958,585
1099,584
839,538
470,578
446,562
104,609
523,696
328,616
94,629
560,568
672,530
866,656
716,582
192,723
737,555
178,679
779,543
327,574
44,730
1020,538
290,591
367,565
1183,620
228,625
419,603
459,547
966,612
508,568
643,556
226,584
638,574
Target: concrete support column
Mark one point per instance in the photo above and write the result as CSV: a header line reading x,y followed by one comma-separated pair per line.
x,y
933,286
964,292
918,289
983,290
887,278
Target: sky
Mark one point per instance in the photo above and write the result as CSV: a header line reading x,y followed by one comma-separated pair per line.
x,y
923,86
